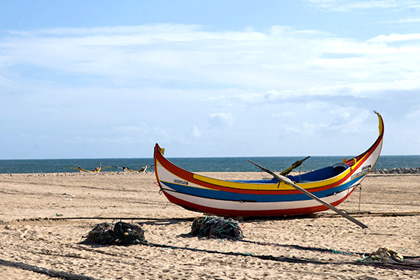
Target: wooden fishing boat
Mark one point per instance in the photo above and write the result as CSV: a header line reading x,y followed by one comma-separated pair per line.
x,y
266,197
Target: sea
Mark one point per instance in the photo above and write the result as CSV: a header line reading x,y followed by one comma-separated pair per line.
x,y
210,164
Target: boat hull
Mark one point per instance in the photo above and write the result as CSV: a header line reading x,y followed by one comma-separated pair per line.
x,y
264,198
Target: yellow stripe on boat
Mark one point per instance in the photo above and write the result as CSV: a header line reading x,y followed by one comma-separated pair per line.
x,y
269,187
245,186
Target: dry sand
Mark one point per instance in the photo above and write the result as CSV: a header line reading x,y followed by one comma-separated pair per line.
x,y
43,218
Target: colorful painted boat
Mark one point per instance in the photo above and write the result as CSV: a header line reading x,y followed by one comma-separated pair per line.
x,y
269,197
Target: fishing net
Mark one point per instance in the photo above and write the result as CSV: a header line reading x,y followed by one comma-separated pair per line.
x,y
101,234
128,234
384,254
216,227
122,234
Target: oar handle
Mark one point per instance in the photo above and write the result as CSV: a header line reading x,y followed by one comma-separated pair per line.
x,y
289,182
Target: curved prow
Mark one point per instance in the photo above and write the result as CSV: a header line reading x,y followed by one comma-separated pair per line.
x,y
381,123
377,144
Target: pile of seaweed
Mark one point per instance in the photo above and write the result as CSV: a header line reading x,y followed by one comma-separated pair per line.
x,y
121,234
216,227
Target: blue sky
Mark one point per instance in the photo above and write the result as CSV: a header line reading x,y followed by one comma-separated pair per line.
x,y
95,79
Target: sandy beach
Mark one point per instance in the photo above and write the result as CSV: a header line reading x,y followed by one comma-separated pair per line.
x,y
44,218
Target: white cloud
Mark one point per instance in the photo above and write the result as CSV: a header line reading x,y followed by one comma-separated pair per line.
x,y
395,38
196,132
181,84
184,55
363,5
284,114
404,21
221,120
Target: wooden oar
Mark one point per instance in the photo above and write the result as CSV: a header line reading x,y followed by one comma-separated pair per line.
x,y
294,165
289,182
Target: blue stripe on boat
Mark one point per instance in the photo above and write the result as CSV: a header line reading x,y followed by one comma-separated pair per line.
x,y
223,195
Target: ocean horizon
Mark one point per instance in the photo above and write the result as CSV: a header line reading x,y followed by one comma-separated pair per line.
x,y
203,164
